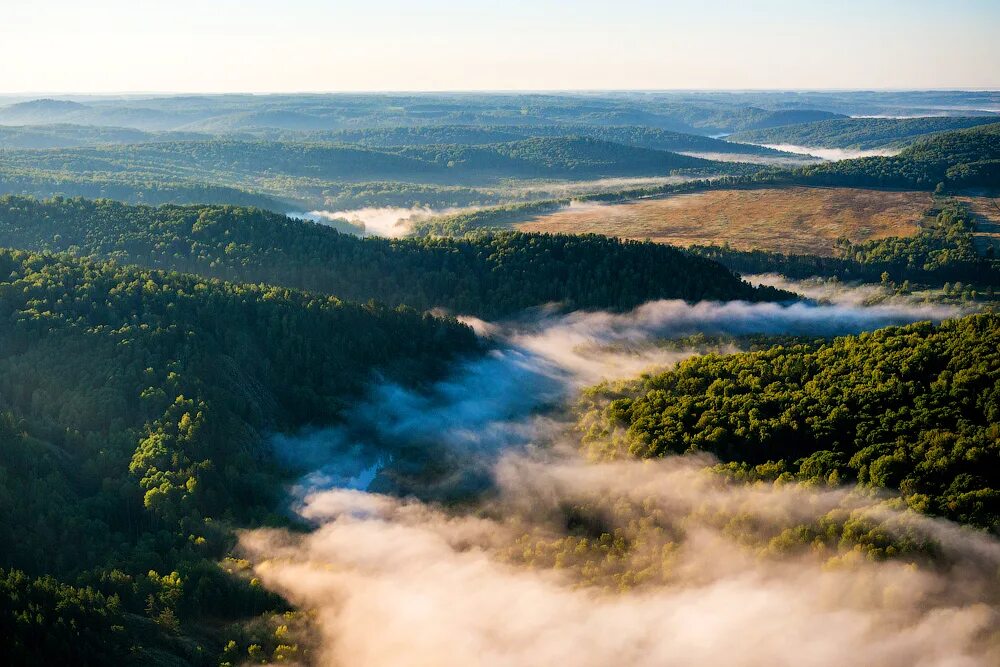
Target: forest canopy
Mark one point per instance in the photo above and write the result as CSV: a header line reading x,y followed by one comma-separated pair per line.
x,y
912,409
491,275
134,405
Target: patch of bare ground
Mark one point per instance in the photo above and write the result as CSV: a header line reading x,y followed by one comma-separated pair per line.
x,y
801,220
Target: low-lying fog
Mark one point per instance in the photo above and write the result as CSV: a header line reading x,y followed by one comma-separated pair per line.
x,y
833,154
440,521
387,221
396,221
777,160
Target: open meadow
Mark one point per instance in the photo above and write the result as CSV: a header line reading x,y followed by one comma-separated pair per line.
x,y
806,220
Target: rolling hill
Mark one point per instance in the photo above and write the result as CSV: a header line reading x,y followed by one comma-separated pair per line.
x,y
968,158
134,411
860,133
488,276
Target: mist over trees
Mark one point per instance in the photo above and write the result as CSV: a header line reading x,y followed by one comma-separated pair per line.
x,y
490,275
134,408
911,409
162,323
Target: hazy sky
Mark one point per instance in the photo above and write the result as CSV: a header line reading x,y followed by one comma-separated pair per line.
x,y
317,45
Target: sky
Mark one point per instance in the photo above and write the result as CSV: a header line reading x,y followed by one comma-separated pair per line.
x,y
104,46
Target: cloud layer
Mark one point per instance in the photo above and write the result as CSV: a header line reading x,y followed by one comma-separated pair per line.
x,y
456,525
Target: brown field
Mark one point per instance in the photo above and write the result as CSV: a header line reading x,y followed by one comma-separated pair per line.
x,y
792,220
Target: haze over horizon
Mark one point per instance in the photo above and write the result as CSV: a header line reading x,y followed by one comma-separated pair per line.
x,y
444,45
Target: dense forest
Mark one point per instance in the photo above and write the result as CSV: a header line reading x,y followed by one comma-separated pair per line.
x,y
703,113
132,410
295,175
162,320
128,186
490,275
230,162
859,133
912,409
961,159
470,135
66,135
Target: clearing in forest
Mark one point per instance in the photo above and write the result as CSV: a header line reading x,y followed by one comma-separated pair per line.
x,y
801,220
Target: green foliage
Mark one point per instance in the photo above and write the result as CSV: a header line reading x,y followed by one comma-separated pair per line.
x,y
125,185
967,158
133,408
43,621
859,133
912,409
490,275
635,135
942,251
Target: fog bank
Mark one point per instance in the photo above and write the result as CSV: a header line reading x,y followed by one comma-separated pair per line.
x,y
456,524
833,154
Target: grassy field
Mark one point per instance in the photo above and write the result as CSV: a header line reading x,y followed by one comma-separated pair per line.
x,y
794,219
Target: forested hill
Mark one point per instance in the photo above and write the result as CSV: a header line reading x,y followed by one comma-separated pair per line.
x,y
490,276
643,137
127,185
913,409
962,159
561,157
132,409
66,135
859,133
228,162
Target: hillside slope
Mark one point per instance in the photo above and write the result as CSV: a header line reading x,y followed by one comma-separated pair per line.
x,y
859,133
134,407
911,408
967,158
487,276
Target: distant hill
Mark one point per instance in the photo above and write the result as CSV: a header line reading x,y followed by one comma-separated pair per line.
x,y
566,157
42,106
786,117
277,119
968,158
859,133
633,135
136,188
117,114
701,114
67,135
246,164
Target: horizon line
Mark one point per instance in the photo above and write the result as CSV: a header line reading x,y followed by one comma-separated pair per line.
x,y
470,91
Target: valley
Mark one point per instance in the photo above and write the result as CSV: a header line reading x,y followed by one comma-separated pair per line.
x,y
623,387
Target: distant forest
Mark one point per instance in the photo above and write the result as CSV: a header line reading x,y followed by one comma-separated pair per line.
x,y
860,133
